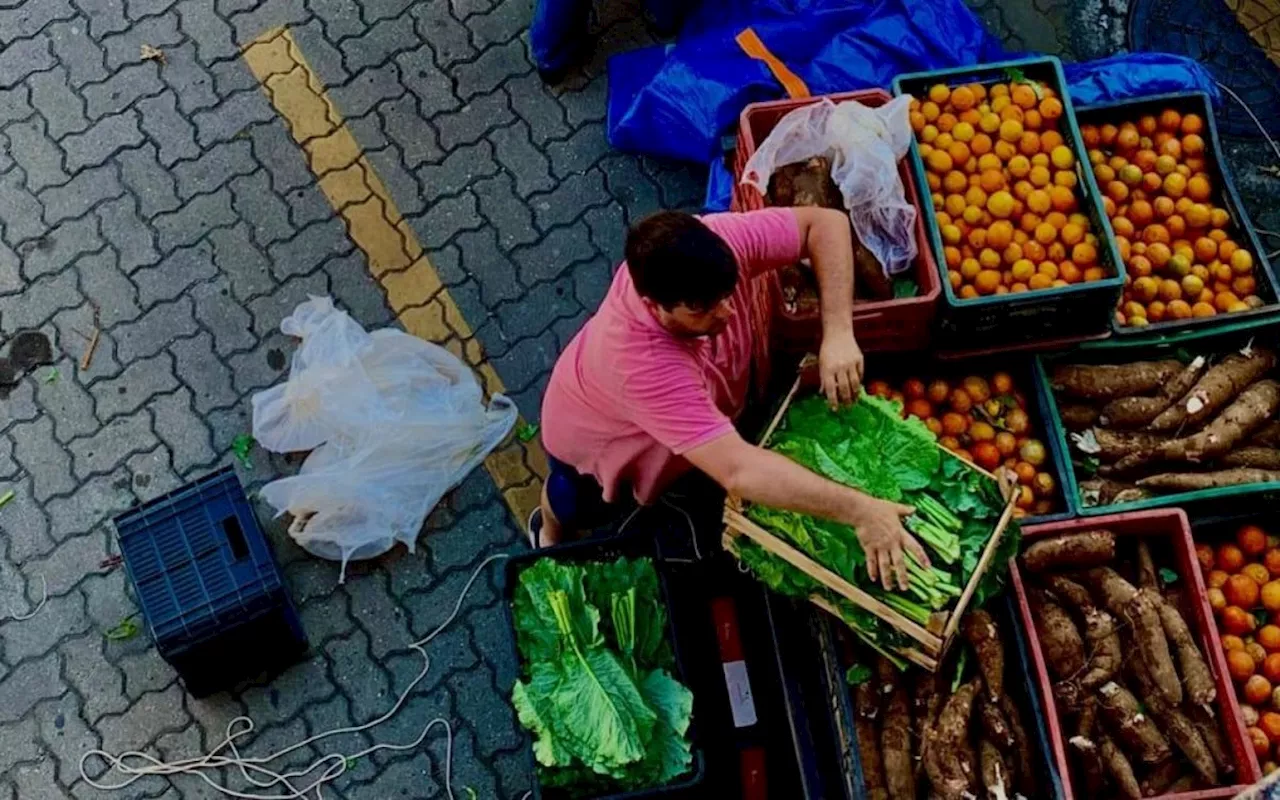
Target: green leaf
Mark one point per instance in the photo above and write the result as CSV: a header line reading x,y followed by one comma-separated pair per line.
x,y
241,446
537,713
652,648
601,708
6,498
962,661
858,673
1168,576
52,376
905,287
471,793
538,633
126,629
526,431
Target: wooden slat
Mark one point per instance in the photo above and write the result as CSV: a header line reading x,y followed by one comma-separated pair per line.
x,y
911,654
740,525
980,570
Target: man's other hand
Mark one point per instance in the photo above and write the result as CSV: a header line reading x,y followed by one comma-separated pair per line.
x,y
840,365
880,532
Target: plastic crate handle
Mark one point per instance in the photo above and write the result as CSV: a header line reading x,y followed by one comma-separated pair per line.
x,y
235,537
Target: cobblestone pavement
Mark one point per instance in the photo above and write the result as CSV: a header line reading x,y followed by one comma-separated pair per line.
x,y
176,205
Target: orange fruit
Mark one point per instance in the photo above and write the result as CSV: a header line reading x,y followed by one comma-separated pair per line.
x,y
1217,600
1064,199
1269,637
1204,556
1029,143
1238,621
1179,309
1232,642
1217,578
1192,124
1175,185
1271,670
1011,131
1242,591
963,98
1257,690
1261,744
1230,558
1257,573
1269,722
1271,560
1127,138
1256,651
937,392
1170,121
954,424
988,280
1199,189
1240,665
1023,96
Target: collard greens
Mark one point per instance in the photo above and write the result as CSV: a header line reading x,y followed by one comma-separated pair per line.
x,y
597,695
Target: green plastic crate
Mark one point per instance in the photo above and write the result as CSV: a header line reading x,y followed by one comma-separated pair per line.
x,y
1011,321
1218,340
1224,195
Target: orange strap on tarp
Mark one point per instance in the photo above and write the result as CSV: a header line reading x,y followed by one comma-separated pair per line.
x,y
755,48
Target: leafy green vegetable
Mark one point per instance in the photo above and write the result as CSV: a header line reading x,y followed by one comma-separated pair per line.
x,y
904,287
1168,576
241,446
858,673
527,431
605,714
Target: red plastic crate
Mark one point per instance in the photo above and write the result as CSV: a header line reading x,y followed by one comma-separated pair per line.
x,y
900,324
1171,525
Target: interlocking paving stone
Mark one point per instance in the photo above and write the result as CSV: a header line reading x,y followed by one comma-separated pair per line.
x,y
23,57
19,211
203,25
123,89
194,85
28,19
73,198
61,246
65,401
133,240
36,153
125,47
472,121
152,331
448,37
107,136
192,221
102,279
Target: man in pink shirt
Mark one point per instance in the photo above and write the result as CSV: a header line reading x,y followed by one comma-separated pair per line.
x,y
650,386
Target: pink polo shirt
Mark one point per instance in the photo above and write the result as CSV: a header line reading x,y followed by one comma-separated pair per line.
x,y
627,399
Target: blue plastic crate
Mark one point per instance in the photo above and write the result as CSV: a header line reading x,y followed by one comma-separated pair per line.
x,y
208,585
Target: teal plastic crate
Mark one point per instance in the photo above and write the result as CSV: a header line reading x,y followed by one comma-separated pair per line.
x,y
1012,321
1224,195
1192,342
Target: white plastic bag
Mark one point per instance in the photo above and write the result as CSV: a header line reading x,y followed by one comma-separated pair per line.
x,y
864,146
394,422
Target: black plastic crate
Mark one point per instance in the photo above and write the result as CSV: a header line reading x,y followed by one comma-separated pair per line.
x,y
1224,195
1040,319
208,585
604,551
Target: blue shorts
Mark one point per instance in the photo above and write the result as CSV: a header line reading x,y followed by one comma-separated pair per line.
x,y
577,500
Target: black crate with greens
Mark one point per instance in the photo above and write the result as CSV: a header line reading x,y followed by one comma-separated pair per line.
x,y
600,689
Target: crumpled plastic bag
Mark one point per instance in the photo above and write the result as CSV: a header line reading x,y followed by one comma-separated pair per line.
x,y
864,146
393,422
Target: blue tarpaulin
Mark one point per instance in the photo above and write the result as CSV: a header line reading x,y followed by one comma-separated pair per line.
x,y
678,100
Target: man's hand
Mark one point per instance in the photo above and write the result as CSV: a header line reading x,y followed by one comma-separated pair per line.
x,y
840,364
878,524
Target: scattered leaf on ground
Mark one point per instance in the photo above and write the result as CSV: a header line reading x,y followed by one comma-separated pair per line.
x,y
127,629
149,53
5,498
241,446
526,432
52,377
858,673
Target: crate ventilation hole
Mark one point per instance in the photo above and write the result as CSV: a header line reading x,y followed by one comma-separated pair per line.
x,y
134,765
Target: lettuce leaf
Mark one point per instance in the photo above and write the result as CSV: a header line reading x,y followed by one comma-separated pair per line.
x,y
538,635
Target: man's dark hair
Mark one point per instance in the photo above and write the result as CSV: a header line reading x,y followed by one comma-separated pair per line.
x,y
674,259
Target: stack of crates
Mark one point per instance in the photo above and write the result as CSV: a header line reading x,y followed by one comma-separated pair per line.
x,y
208,585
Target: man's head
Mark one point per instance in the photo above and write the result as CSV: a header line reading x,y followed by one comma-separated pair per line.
x,y
683,271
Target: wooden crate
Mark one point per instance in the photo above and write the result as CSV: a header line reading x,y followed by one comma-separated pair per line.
x,y
933,640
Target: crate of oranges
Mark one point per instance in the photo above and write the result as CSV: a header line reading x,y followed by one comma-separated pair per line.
x,y
1190,251
1015,221
1239,557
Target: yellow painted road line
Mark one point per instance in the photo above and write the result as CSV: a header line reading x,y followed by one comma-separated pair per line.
x,y
396,259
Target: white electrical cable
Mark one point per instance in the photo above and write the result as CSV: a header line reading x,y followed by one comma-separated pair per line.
x,y
1252,116
134,764
44,598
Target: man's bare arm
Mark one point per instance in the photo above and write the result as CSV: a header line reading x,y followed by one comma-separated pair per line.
x,y
828,243
764,477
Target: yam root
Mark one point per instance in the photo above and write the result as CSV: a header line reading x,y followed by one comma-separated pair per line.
x,y
1070,551
1143,614
1108,381
1068,592
1249,411
1215,389
925,702
1136,729
1059,638
1105,653
1147,578
1160,777
1134,412
1268,435
1077,416
1104,492
1202,717
1196,677
1252,456
994,726
1115,445
1184,735
805,183
1025,776
980,631
867,710
1086,746
1119,768
951,762
995,772
895,739
1194,481
1112,590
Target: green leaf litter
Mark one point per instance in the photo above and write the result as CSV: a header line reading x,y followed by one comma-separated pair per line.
x,y
596,691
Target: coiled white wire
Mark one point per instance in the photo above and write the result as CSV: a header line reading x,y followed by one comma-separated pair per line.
x,y
135,765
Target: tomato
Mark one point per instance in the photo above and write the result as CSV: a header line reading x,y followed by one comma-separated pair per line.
x,y
913,389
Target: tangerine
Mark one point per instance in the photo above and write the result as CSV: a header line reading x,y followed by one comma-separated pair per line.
x,y
1170,121
1271,560
1240,665
1257,690
1269,637
1217,600
1238,621
1242,591
1261,744
1252,540
963,98
1229,558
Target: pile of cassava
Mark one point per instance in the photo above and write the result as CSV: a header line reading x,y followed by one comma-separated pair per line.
x,y
917,741
1160,427
1131,686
